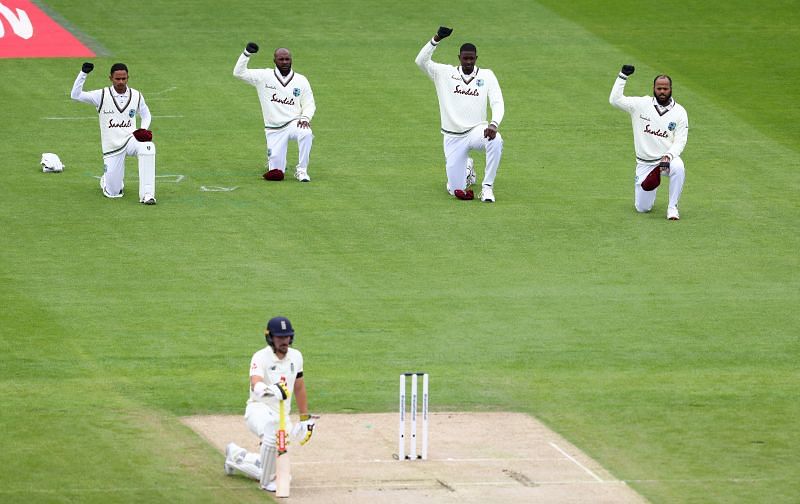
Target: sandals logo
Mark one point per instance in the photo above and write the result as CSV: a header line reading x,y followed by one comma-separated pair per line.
x,y
27,32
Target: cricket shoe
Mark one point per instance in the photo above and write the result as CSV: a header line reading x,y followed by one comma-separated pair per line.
x,y
271,487
148,199
464,195
672,213
301,175
233,454
487,194
471,178
105,191
273,174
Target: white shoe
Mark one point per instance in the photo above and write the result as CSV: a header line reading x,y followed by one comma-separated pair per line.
x,y
233,455
271,487
672,213
487,194
301,175
229,450
105,192
148,199
229,470
471,178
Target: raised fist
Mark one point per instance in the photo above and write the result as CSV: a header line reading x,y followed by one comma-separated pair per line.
x,y
87,67
252,47
627,69
444,32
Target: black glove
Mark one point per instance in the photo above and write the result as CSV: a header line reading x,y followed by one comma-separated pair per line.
x,y
252,47
627,69
87,67
444,32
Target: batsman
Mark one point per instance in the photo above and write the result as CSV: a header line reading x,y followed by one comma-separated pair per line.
x,y
276,376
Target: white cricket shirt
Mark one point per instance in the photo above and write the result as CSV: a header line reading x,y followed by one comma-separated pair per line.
x,y
657,130
462,98
267,365
283,98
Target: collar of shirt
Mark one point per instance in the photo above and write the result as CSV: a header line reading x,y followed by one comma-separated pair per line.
x,y
661,109
470,76
284,79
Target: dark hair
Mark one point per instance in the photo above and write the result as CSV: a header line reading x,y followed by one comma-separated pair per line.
x,y
468,47
118,66
663,76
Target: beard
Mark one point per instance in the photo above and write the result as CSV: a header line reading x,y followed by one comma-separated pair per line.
x,y
665,101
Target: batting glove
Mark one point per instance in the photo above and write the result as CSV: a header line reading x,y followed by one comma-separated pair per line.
x,y
307,426
251,48
444,32
279,390
87,67
627,69
663,166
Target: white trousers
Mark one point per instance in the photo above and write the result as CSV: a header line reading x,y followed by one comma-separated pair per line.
x,y
644,200
456,152
278,143
113,180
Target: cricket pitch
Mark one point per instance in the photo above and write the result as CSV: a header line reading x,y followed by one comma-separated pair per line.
x,y
472,458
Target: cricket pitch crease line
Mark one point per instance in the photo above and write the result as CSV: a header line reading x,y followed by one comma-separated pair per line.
x,y
433,483
588,471
412,462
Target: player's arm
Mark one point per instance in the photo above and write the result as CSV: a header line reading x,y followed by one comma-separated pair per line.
x,y
617,97
263,389
307,421
681,137
423,59
144,113
240,70
300,396
78,94
307,107
498,107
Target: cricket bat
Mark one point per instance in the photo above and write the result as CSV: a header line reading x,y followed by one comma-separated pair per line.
x,y
283,473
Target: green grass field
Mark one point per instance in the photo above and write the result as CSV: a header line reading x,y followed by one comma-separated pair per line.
x,y
667,351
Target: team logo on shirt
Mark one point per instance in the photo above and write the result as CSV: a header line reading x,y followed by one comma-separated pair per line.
x,y
479,83
672,126
296,92
131,113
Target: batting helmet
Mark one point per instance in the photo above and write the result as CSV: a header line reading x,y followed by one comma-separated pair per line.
x,y
279,326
